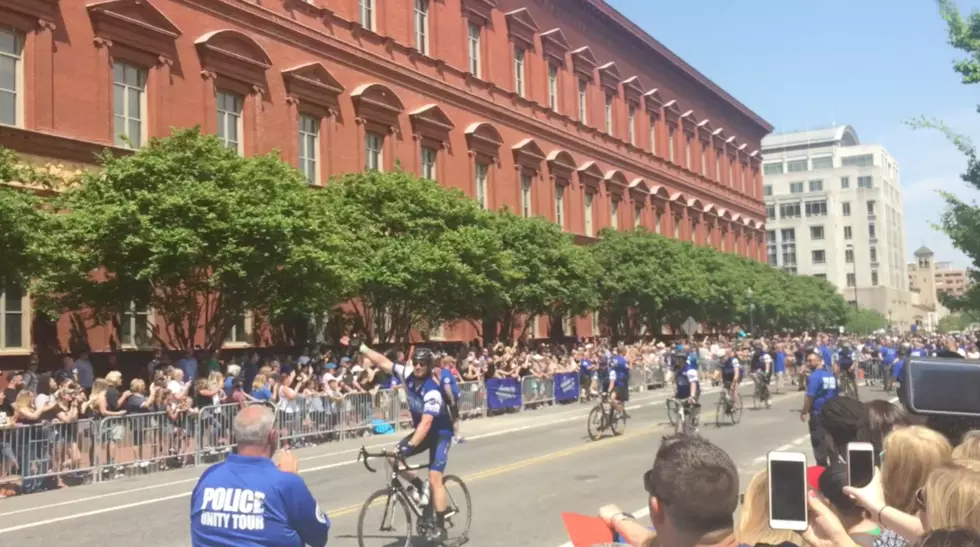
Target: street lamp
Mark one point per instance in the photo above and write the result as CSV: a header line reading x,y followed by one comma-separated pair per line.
x,y
748,293
855,271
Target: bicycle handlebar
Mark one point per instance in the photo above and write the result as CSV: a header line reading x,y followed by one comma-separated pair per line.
x,y
365,456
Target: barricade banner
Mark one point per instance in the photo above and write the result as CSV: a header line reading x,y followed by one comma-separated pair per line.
x,y
503,393
566,386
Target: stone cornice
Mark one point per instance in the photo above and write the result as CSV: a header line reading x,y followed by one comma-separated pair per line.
x,y
281,28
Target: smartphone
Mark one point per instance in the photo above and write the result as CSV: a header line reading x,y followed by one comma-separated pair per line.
x,y
942,386
860,464
787,491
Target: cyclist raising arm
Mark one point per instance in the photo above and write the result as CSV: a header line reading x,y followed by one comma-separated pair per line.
x,y
430,416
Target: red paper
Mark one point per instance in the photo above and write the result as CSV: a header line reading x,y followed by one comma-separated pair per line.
x,y
586,531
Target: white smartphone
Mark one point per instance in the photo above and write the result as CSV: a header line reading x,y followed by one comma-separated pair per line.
x,y
787,491
860,464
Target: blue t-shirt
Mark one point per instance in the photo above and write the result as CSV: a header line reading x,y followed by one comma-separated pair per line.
x,y
780,365
584,365
897,369
447,378
887,355
683,382
247,502
828,356
425,397
620,371
821,387
263,393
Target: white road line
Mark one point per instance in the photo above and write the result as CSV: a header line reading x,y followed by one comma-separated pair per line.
x,y
302,471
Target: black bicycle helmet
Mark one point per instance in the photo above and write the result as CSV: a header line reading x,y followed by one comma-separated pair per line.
x,y
423,356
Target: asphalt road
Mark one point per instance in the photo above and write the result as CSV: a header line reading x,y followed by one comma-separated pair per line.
x,y
523,470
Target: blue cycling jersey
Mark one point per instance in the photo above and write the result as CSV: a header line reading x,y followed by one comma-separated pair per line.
x,y
684,380
447,378
425,397
246,501
620,371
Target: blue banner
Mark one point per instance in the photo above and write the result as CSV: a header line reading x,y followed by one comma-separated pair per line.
x,y
503,393
566,386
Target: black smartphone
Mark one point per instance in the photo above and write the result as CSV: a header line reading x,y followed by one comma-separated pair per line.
x,y
942,386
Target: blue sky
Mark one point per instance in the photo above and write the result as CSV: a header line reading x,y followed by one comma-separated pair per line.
x,y
806,64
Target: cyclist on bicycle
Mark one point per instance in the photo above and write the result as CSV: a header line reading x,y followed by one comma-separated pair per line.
x,y
845,367
430,416
687,387
619,381
731,374
761,369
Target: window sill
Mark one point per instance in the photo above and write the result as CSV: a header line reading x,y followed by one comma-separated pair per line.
x,y
235,345
15,352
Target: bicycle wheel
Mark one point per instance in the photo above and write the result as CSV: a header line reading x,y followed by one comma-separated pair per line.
x,y
672,412
720,412
736,411
618,424
460,510
597,418
383,531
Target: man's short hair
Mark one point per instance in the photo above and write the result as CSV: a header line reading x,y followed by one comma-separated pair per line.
x,y
696,483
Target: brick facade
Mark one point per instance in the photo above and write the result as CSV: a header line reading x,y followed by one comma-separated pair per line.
x,y
295,61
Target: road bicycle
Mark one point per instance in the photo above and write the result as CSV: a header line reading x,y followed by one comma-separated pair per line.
x,y
683,412
761,395
603,416
398,501
847,383
728,408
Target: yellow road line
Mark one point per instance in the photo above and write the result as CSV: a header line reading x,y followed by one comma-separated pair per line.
x,y
495,471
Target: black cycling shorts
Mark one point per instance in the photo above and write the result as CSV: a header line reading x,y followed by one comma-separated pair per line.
x,y
454,410
622,393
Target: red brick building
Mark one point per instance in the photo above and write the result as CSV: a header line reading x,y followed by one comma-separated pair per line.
x,y
560,108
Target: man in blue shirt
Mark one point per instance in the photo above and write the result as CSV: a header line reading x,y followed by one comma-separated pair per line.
x,y
450,388
248,501
687,387
430,417
821,386
619,375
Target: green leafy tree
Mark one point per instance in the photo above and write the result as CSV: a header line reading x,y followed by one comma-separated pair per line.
x,y
198,234
22,222
956,322
864,321
424,252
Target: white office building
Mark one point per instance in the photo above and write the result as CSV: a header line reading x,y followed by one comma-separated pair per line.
x,y
835,211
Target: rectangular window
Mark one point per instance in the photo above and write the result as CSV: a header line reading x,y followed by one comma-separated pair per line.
x,y
481,174
796,188
687,152
632,124
872,233
134,327
789,210
816,186
767,190
851,281
845,183
670,143
637,216
871,207
526,205
873,254
788,235
821,276
865,160
816,232
826,162
818,257
519,71
474,49
373,151
731,173
614,213
717,165
428,163
775,168
553,87
848,233
11,82
770,212
422,26
309,150
609,115
866,182
589,197
128,87
796,166
874,278
237,334
366,13
230,120
12,318
560,206
657,219
849,256
846,208
583,103
771,249
816,208
653,135
704,161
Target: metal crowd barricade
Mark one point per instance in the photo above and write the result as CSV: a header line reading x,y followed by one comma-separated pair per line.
x,y
146,443
472,400
366,412
47,455
537,391
215,436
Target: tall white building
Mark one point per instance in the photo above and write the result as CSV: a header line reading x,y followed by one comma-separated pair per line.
x,y
835,211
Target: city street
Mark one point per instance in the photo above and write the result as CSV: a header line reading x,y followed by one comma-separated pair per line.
x,y
523,470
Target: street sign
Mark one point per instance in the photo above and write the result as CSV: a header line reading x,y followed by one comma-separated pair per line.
x,y
690,326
